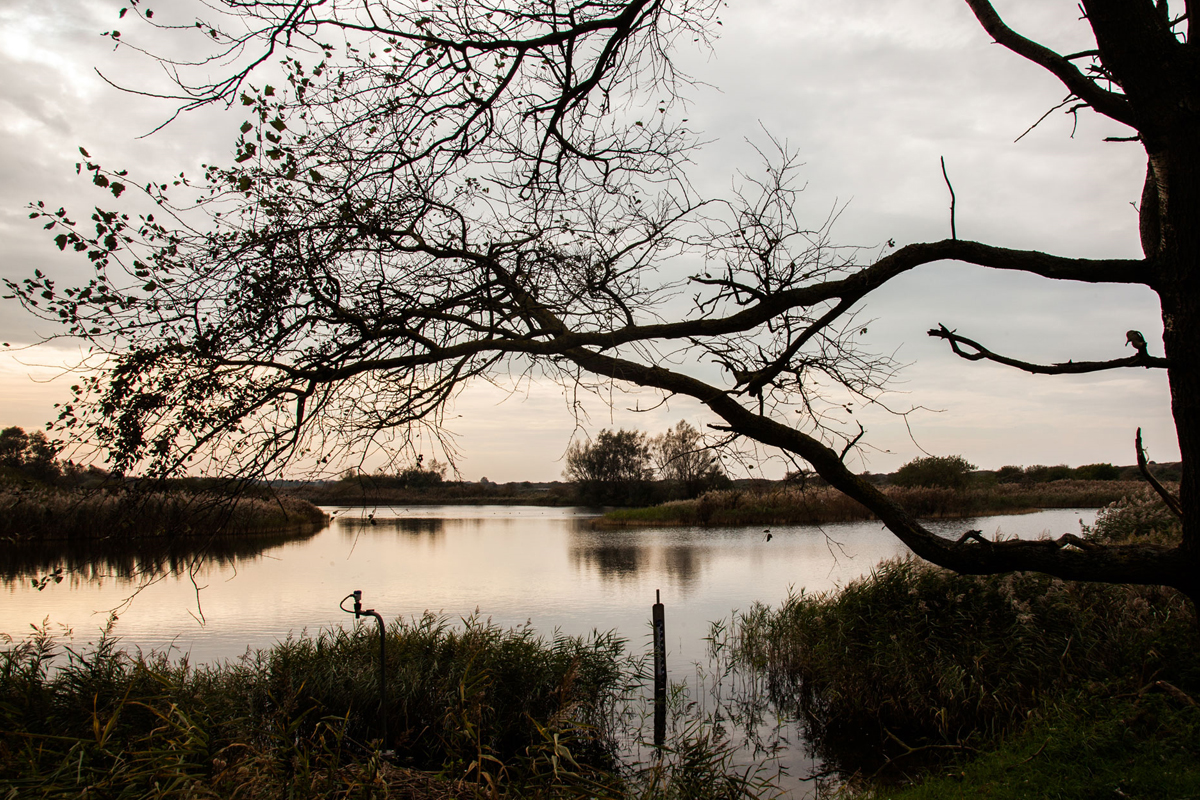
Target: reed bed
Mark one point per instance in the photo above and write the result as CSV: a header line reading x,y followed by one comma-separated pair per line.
x,y
37,513
792,505
915,657
473,711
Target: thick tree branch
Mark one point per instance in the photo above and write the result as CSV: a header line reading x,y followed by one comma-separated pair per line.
x,y
1171,500
981,353
1068,557
1110,104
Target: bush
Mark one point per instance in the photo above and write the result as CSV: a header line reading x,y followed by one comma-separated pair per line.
x,y
1039,473
930,655
1097,472
29,454
1141,515
947,472
1010,474
614,469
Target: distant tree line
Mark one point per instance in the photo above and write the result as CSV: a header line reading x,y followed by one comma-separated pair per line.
x,y
417,475
955,472
32,456
627,467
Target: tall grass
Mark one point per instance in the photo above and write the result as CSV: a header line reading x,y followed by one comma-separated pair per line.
x,y
473,711
915,657
817,505
34,513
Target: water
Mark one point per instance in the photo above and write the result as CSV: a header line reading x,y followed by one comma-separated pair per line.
x,y
542,566
545,566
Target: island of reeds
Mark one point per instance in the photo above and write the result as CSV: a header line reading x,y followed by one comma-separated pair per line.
x,y
44,499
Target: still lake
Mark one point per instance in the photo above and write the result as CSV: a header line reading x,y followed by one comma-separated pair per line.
x,y
546,567
543,566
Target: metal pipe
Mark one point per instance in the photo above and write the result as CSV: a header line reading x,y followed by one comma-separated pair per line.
x,y
359,611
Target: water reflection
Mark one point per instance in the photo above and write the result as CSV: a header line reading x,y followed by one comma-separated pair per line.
x,y
612,561
94,560
620,554
353,527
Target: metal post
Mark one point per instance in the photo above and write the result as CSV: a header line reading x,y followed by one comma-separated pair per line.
x,y
359,611
660,670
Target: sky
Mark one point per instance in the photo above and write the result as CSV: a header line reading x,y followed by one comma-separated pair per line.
x,y
870,96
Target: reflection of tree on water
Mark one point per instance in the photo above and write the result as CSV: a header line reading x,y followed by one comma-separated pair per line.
x,y
92,560
611,560
683,563
352,527
621,554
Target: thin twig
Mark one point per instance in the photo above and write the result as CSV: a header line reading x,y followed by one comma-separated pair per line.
x,y
953,231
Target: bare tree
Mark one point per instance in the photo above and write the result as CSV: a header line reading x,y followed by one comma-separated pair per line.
x,y
465,190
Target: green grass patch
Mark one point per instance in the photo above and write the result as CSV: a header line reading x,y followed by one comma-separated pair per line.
x,y
1147,747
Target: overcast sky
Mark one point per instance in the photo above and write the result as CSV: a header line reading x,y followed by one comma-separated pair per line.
x,y
870,95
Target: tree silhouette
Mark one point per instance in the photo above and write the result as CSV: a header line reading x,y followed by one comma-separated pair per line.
x,y
459,191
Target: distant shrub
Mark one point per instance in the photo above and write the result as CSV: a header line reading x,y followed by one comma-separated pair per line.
x,y
1097,472
1040,473
30,454
947,472
1010,474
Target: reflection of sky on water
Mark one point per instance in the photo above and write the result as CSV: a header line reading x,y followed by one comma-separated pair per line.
x,y
543,565
548,567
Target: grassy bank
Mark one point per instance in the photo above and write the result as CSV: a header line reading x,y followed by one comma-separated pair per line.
x,y
31,513
1139,746
790,505
473,711
1018,685
365,490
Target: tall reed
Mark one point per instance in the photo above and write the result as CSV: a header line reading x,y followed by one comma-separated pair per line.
x,y
473,711
36,513
917,654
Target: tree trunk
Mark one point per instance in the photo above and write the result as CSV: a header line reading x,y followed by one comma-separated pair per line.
x,y
1178,286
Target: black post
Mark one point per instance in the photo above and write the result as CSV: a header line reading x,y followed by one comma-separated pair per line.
x,y
660,670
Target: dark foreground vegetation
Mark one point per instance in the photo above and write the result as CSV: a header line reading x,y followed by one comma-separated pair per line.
x,y
1017,685
472,711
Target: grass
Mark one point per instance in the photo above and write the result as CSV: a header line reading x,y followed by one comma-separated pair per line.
x,y
1142,747
1016,685
791,505
925,656
473,711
